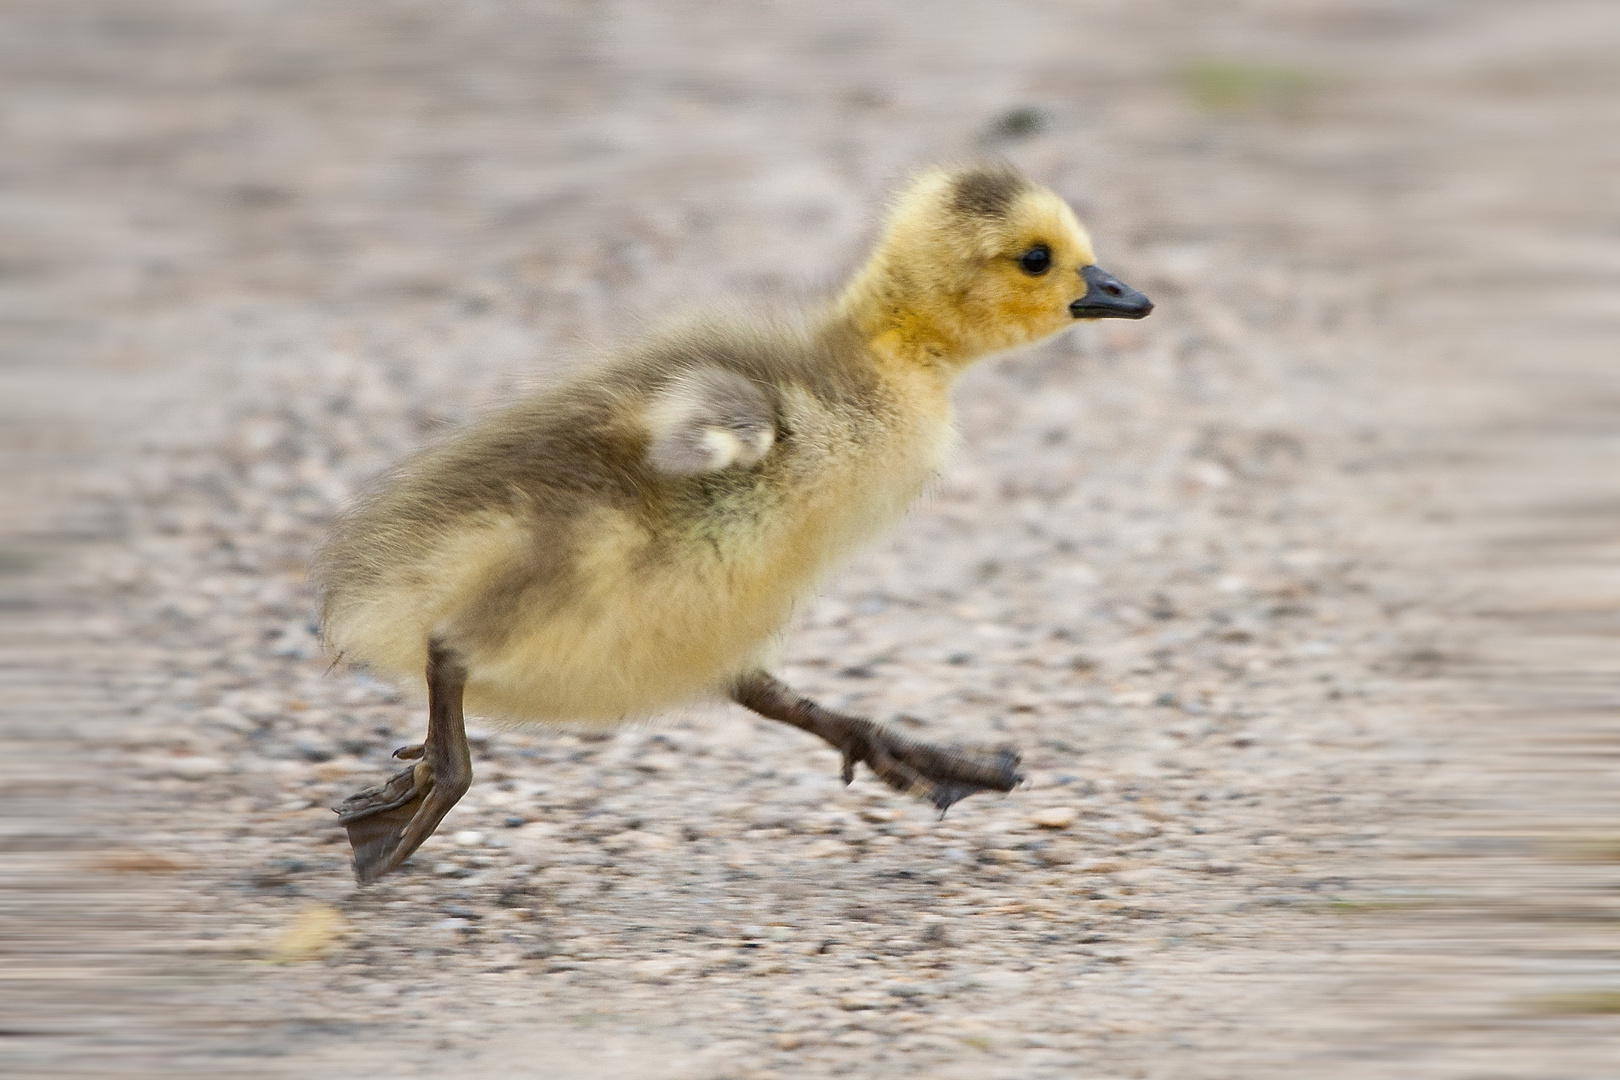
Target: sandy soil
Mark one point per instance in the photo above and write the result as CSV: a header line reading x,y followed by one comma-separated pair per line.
x,y
1299,597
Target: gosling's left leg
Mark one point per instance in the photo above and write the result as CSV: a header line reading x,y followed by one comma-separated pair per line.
x,y
940,774
389,822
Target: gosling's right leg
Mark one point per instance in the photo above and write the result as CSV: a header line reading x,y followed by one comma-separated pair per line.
x,y
389,822
940,774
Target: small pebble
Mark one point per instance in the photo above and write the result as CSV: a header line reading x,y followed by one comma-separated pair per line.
x,y
825,849
1054,817
656,968
863,999
226,718
311,746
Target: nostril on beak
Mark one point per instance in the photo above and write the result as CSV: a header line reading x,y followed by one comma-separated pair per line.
x,y
1107,297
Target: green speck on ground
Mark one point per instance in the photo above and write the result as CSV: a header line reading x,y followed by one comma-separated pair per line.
x,y
1577,1002
1232,85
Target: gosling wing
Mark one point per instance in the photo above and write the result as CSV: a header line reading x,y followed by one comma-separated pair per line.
x,y
709,419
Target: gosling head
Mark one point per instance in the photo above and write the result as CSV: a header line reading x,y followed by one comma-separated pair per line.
x,y
983,259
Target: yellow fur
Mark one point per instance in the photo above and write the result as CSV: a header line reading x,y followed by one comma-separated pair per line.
x,y
652,607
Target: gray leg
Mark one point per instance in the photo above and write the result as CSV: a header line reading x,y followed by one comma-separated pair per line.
x,y
940,774
387,823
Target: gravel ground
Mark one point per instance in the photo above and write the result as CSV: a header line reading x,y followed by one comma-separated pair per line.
x,y
1298,597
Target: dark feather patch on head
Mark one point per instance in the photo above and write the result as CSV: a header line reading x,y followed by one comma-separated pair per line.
x,y
987,193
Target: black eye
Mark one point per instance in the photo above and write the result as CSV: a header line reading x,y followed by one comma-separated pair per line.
x,y
1036,261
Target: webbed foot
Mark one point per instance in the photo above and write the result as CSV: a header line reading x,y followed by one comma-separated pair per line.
x,y
941,774
387,823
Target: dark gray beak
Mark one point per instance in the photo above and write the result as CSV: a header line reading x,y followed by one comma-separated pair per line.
x,y
1107,297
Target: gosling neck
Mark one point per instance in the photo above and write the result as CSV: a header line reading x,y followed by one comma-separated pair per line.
x,y
898,320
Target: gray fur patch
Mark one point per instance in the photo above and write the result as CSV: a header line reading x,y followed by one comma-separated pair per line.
x,y
709,419
988,192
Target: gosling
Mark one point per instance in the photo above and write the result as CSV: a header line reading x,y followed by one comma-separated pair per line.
x,y
637,537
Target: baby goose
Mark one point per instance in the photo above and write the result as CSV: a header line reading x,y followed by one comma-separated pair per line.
x,y
638,537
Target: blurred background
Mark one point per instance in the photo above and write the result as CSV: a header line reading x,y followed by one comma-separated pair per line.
x,y
1299,597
